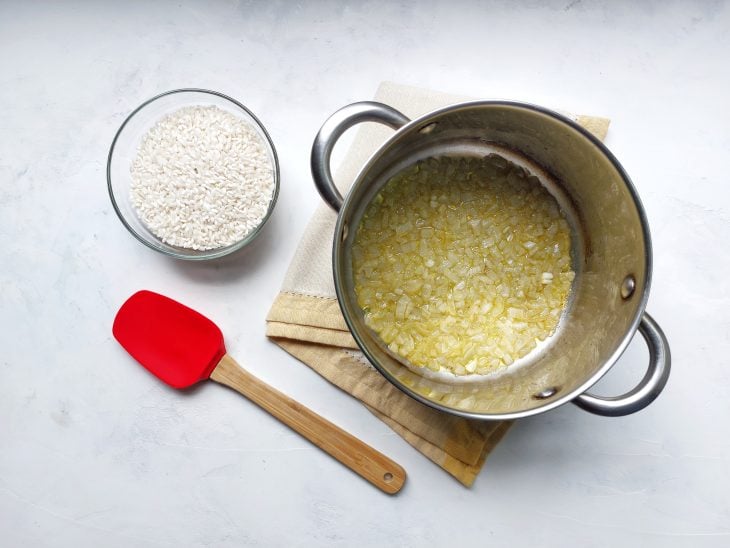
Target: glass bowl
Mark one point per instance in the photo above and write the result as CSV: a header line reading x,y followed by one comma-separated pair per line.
x,y
124,148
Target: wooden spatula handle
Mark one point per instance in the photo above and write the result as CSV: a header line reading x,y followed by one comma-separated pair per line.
x,y
350,451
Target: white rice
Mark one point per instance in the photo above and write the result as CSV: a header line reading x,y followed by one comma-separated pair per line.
x,y
202,179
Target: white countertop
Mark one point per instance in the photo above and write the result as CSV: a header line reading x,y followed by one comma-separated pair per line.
x,y
96,452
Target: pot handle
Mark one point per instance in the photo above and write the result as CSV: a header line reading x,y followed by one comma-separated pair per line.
x,y
648,389
332,130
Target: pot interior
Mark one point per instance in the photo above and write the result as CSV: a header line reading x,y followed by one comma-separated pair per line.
x,y
610,253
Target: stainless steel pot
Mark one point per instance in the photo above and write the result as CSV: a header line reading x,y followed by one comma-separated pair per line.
x,y
611,255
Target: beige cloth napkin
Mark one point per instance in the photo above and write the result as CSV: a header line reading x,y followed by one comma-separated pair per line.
x,y
305,318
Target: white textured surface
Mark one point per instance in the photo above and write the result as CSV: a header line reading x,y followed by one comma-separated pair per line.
x,y
95,452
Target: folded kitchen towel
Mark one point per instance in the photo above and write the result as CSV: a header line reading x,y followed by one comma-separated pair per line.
x,y
305,318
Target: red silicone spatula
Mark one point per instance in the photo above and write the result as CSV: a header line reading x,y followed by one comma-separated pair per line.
x,y
182,347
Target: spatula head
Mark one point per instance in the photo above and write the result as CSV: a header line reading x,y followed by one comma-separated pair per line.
x,y
177,344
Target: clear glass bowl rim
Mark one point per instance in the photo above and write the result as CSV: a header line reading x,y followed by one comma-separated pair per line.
x,y
213,253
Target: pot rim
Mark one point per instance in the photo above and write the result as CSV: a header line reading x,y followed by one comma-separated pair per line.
x,y
631,331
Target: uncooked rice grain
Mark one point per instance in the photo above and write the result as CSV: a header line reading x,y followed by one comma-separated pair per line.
x,y
202,178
